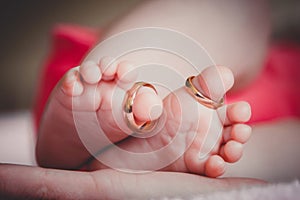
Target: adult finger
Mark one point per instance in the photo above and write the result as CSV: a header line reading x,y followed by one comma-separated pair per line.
x,y
39,183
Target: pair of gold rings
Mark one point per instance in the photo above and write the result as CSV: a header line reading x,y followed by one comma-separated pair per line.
x,y
147,127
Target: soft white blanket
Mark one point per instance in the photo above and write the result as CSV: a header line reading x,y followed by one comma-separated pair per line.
x,y
280,191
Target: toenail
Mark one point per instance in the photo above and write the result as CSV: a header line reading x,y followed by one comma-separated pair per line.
x,y
155,111
245,111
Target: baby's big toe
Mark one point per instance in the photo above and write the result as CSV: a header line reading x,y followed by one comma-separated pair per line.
x,y
147,105
214,81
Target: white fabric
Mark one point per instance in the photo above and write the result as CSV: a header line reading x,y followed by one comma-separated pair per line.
x,y
279,191
17,138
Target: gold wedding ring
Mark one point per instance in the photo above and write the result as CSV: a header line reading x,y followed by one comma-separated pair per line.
x,y
129,117
201,98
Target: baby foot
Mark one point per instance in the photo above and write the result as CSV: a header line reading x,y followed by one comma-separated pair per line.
x,y
191,130
83,93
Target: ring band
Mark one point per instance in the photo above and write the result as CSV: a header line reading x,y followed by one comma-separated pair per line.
x,y
201,98
129,117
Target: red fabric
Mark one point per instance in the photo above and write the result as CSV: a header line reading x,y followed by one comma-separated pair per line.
x,y
275,93
69,46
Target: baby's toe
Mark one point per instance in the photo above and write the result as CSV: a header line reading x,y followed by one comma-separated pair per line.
x,y
71,84
232,151
214,166
238,132
214,81
90,72
239,112
126,74
147,105
108,67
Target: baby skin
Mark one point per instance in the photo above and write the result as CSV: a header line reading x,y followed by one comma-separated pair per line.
x,y
91,87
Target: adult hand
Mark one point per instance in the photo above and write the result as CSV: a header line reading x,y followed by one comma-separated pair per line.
x,y
19,182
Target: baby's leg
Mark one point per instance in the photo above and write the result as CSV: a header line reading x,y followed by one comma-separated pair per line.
x,y
188,133
83,92
235,33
